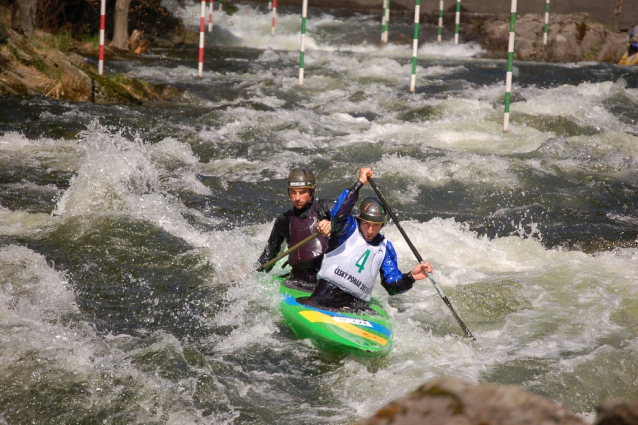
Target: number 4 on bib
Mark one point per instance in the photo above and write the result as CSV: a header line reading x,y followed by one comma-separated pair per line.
x,y
361,262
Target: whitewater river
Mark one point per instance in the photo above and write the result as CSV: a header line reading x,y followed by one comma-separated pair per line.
x,y
126,232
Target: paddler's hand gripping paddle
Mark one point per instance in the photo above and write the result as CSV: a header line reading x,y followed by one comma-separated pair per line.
x,y
288,251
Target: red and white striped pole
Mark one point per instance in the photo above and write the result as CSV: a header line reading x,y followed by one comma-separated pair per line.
x,y
210,17
274,15
202,27
100,64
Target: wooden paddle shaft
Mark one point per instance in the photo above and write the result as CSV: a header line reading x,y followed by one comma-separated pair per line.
x,y
288,251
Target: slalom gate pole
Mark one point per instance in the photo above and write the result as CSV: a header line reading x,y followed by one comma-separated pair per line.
x,y
273,5
415,43
546,27
457,21
420,260
100,65
220,5
302,46
269,4
210,17
439,37
385,21
508,78
200,65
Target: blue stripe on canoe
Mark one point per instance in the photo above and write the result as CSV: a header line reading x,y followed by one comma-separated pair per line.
x,y
290,300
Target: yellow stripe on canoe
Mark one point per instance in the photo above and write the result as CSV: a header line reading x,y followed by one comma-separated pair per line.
x,y
315,316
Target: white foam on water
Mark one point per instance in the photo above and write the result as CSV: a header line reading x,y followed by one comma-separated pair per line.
x,y
441,170
174,75
33,294
45,342
587,111
41,153
447,49
12,141
570,298
119,176
480,131
240,169
21,223
250,27
609,153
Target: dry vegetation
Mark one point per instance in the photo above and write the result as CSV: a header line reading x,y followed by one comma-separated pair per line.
x,y
52,65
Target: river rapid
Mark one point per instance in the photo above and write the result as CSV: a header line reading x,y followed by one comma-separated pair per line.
x,y
127,232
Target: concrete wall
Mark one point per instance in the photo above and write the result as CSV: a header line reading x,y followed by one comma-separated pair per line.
x,y
622,14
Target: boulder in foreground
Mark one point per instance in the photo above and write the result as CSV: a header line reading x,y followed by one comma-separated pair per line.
x,y
451,401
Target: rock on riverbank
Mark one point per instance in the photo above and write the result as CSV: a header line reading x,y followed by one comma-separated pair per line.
x,y
570,38
451,401
50,66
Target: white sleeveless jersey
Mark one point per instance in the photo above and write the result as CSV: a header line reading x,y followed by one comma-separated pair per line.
x,y
354,265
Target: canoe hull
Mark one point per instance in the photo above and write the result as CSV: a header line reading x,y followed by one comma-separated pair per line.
x,y
363,334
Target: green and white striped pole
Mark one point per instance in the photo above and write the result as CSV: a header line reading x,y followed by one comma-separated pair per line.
x,y
269,4
385,21
457,21
415,43
508,79
546,27
439,37
220,5
302,47
210,17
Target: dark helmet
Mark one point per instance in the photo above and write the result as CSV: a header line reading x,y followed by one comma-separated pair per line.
x,y
301,177
633,37
372,211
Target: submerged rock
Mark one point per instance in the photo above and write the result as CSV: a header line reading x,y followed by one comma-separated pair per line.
x,y
451,401
617,413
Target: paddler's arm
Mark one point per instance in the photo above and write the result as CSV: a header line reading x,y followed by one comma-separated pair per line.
x,y
343,223
324,208
275,240
393,280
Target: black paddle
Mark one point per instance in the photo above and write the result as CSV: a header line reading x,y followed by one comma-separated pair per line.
x,y
418,257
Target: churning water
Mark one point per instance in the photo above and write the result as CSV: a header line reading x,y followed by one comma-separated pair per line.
x,y
126,232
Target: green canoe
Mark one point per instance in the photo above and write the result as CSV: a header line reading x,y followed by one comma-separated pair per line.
x,y
363,333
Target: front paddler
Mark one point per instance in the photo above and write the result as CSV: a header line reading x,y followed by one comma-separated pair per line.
x,y
357,252
307,215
